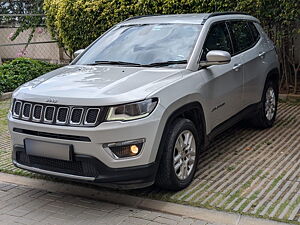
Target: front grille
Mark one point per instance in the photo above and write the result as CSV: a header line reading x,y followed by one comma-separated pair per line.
x,y
64,115
78,168
55,163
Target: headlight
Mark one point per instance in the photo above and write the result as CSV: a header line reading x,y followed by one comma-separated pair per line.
x,y
131,111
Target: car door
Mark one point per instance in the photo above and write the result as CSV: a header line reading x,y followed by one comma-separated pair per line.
x,y
247,44
224,83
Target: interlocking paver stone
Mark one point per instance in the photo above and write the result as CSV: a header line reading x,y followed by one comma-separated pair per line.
x,y
199,223
38,214
188,221
164,220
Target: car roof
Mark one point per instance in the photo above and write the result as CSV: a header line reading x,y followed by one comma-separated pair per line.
x,y
197,18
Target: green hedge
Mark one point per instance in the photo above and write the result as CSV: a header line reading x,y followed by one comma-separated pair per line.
x,y
76,23
21,70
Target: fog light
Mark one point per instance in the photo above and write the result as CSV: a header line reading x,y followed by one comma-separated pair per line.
x,y
125,149
134,149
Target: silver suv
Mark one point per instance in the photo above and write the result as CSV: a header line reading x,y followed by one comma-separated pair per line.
x,y
139,104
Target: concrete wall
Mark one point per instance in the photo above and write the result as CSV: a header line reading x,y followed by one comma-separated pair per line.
x,y
45,51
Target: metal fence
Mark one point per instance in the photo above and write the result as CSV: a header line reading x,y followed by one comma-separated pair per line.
x,y
41,47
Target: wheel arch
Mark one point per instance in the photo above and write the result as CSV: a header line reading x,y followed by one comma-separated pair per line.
x,y
192,111
273,75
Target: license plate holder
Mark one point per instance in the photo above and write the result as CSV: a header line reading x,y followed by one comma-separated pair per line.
x,y
48,149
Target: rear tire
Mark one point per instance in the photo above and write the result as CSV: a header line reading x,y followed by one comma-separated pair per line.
x,y
266,115
180,156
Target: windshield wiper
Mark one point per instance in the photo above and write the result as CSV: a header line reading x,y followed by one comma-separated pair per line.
x,y
115,63
166,63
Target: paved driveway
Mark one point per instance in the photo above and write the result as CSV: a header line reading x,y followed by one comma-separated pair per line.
x,y
249,171
23,205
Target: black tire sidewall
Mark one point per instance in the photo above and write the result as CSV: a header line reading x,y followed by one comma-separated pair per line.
x,y
268,122
178,128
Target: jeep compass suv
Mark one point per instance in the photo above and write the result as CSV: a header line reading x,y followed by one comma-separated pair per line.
x,y
139,104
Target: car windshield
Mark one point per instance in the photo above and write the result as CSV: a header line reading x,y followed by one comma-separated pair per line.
x,y
144,45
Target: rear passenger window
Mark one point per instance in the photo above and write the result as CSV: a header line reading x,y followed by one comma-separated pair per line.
x,y
217,39
254,32
242,36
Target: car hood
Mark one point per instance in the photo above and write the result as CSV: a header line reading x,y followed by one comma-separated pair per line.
x,y
97,85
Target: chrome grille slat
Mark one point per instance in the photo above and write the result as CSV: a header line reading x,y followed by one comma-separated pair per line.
x,y
26,111
17,109
91,117
76,116
62,115
48,115
37,112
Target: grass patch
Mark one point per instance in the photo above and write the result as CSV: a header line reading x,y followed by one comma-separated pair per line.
x,y
4,108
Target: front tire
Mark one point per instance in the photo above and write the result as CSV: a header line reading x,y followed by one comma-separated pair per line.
x,y
266,115
180,156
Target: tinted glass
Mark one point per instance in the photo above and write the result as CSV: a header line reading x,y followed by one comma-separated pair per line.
x,y
242,35
144,44
217,39
254,31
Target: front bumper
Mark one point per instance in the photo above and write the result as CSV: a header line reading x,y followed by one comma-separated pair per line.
x,y
86,169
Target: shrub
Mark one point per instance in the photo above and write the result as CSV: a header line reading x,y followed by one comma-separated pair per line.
x,y
21,70
76,23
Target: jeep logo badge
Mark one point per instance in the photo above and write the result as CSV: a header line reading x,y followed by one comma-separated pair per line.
x,y
51,100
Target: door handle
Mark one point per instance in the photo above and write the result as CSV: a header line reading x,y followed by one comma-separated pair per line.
x,y
236,67
261,54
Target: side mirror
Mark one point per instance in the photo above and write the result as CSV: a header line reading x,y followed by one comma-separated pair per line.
x,y
78,52
216,57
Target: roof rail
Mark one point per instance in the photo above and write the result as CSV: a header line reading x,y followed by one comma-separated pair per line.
x,y
137,17
222,14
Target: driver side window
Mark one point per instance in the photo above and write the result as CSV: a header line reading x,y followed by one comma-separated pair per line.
x,y
217,39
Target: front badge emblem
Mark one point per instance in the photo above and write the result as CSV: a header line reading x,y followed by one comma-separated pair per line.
x,y
51,100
